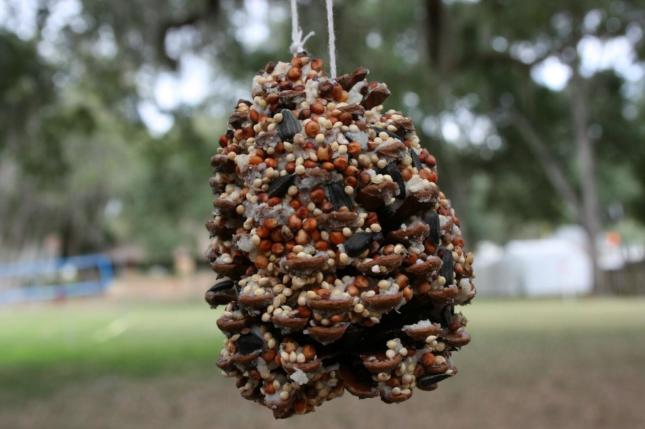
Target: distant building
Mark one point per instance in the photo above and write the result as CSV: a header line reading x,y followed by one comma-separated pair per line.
x,y
554,266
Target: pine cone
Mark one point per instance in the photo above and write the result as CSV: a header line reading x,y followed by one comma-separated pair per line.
x,y
339,260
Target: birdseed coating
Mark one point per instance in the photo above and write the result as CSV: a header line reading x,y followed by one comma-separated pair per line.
x,y
339,260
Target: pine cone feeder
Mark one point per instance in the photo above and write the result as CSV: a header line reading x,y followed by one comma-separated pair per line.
x,y
339,259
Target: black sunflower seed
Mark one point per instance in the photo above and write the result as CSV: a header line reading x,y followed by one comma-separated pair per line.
x,y
289,126
279,186
415,159
357,243
432,219
447,266
337,196
393,170
221,292
222,285
248,343
388,216
426,381
447,314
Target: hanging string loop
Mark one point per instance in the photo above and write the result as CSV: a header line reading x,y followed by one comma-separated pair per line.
x,y
332,37
297,40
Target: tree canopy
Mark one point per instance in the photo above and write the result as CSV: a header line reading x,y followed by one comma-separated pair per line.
x,y
535,110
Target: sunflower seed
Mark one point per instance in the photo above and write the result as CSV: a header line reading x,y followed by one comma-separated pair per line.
x,y
337,196
388,216
222,284
393,170
248,343
432,219
289,126
415,159
447,314
446,269
279,187
221,292
426,381
357,243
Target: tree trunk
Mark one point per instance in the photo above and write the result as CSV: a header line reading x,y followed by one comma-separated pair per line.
x,y
434,12
553,169
587,171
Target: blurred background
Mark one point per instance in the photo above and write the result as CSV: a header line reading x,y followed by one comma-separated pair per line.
x,y
109,112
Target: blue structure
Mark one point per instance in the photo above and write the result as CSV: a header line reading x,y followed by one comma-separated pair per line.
x,y
30,275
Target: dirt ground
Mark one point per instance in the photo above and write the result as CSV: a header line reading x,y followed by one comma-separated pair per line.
x,y
524,384
562,398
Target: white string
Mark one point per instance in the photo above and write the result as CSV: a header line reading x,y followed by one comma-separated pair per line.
x,y
332,38
297,41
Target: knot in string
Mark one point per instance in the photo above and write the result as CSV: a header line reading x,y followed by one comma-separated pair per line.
x,y
297,40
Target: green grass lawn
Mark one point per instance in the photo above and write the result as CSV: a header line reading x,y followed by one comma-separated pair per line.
x,y
43,347
136,337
